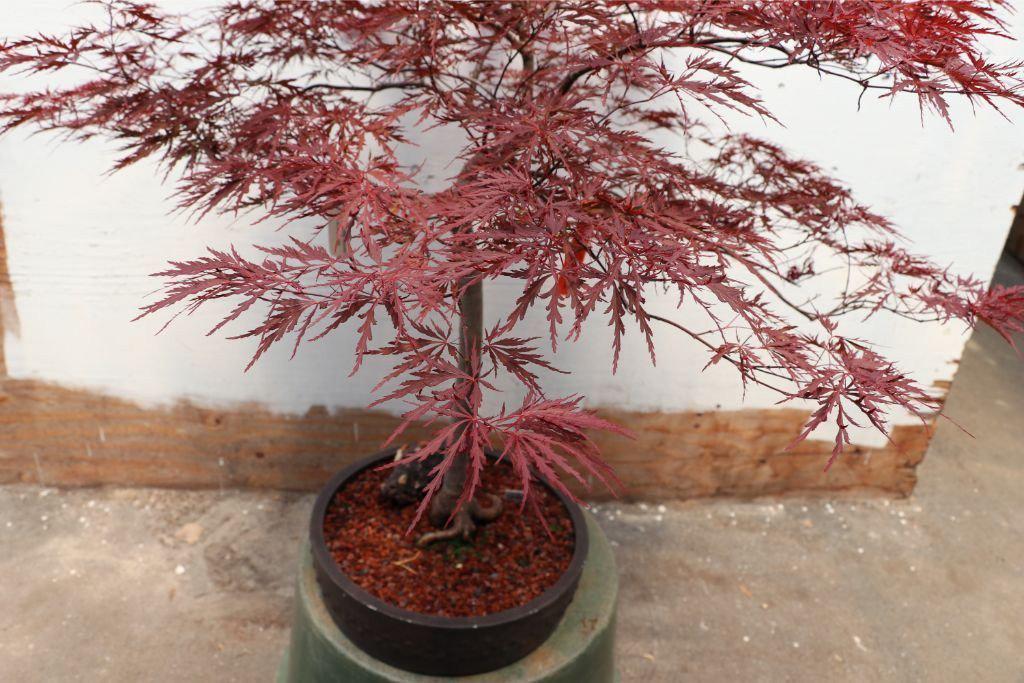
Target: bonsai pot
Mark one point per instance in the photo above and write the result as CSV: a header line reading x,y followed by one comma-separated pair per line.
x,y
432,644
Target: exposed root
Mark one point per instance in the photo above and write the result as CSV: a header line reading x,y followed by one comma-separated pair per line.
x,y
463,524
488,514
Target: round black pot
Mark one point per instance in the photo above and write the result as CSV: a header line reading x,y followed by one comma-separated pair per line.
x,y
429,644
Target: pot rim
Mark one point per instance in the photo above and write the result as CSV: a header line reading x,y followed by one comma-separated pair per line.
x,y
319,548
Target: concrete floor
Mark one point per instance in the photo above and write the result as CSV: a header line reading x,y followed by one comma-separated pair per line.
x,y
153,585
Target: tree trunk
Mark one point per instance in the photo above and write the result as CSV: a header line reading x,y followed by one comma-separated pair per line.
x,y
471,332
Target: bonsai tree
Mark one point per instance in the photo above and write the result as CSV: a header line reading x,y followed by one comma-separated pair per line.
x,y
299,110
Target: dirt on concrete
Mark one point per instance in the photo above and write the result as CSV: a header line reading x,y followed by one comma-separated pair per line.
x,y
135,585
145,585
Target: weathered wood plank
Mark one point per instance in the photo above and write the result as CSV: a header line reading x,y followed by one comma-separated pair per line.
x,y
54,435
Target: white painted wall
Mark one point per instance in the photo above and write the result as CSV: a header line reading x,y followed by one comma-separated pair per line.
x,y
81,244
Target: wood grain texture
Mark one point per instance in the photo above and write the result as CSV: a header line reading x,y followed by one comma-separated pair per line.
x,y
743,453
57,436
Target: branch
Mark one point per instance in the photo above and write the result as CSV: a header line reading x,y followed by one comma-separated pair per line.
x,y
365,88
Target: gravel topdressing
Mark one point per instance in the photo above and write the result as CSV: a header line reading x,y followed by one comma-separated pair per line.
x,y
511,561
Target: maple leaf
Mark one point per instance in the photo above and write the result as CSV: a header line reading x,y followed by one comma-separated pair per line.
x,y
299,109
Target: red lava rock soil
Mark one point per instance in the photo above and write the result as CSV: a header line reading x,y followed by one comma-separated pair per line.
x,y
511,561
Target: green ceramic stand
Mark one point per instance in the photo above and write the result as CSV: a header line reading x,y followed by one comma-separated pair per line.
x,y
580,649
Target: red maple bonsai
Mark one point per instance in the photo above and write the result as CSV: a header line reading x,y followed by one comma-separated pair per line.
x,y
298,109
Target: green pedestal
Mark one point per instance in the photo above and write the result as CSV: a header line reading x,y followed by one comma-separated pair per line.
x,y
580,649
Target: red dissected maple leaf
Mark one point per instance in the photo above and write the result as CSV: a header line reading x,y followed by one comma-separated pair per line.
x,y
299,108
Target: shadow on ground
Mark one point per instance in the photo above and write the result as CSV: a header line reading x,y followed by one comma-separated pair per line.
x,y
148,585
